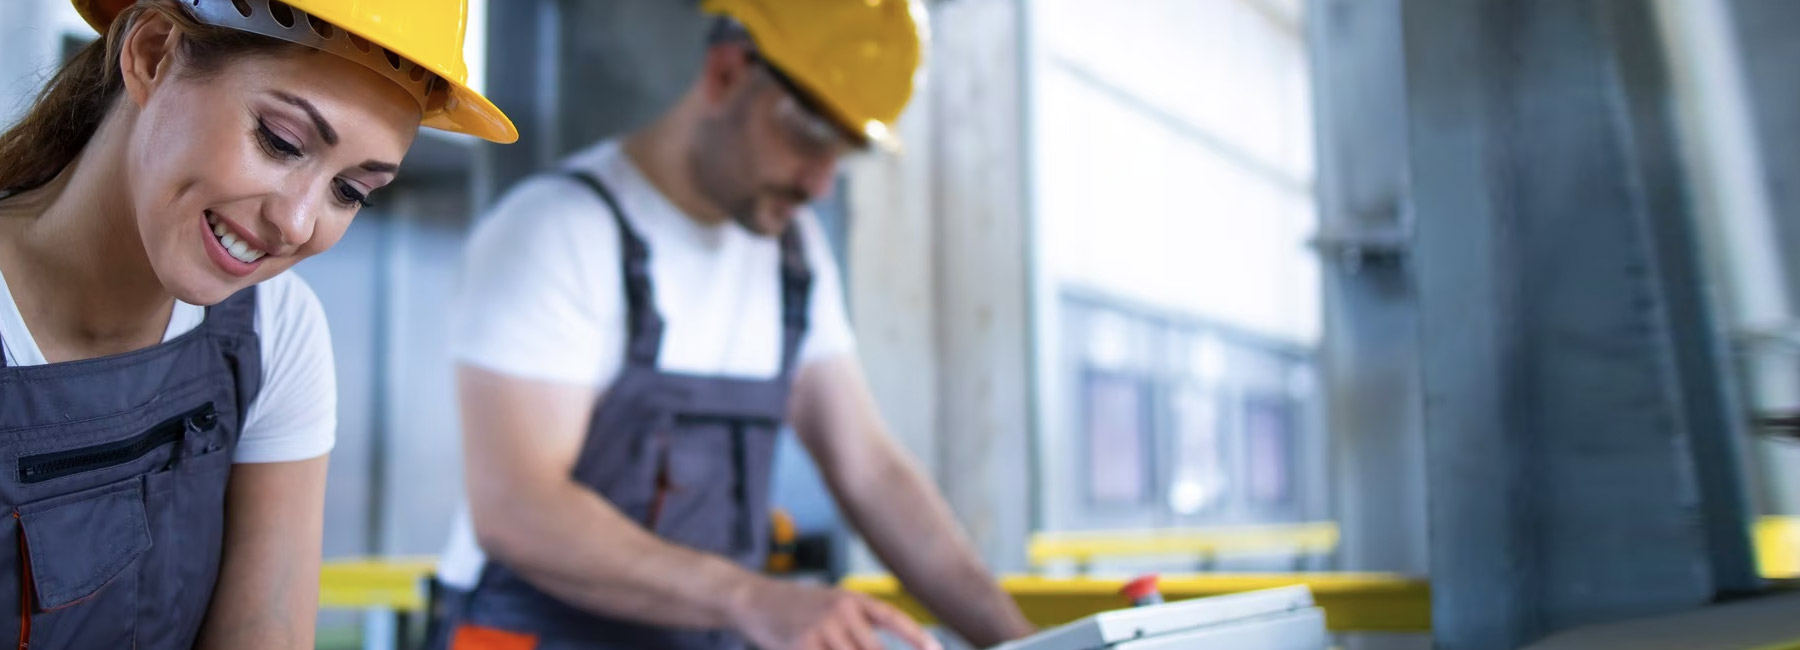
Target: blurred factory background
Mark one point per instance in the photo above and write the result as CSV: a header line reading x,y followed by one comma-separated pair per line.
x,y
1496,296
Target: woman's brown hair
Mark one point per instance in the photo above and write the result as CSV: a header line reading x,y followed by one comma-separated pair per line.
x,y
72,105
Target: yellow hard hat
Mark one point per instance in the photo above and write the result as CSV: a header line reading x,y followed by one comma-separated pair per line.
x,y
859,58
412,37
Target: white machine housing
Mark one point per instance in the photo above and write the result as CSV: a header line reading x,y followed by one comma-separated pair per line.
x,y
1273,619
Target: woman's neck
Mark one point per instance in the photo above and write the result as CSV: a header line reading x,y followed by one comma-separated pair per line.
x,y
75,263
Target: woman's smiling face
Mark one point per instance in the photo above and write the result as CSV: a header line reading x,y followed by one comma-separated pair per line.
x,y
236,174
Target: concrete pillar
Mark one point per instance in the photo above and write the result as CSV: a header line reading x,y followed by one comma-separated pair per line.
x,y
1369,355
893,284
939,276
983,317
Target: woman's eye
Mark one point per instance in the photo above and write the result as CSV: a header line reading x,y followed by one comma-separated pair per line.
x,y
275,144
348,195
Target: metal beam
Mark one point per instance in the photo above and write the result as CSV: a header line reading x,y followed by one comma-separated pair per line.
x,y
1559,411
1710,401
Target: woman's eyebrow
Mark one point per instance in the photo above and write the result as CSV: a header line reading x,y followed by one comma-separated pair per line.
x,y
325,131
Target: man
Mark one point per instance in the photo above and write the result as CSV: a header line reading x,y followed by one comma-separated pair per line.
x,y
634,331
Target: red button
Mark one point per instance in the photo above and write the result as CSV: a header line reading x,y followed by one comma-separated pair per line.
x,y
1140,588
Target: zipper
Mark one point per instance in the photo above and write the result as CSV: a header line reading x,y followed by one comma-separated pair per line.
x,y
43,467
730,420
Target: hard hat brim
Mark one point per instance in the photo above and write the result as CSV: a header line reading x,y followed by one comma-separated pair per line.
x,y
465,111
471,113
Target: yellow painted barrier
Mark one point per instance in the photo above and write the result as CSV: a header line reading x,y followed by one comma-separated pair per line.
x,y
1778,547
396,584
1365,602
1790,645
1082,547
1353,602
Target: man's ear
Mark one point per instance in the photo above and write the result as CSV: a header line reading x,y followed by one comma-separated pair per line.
x,y
148,55
726,68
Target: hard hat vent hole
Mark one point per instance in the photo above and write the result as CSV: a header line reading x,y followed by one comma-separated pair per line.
x,y
392,58
360,42
320,27
243,7
418,72
283,14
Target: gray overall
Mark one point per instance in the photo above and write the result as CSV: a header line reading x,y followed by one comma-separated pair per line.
x,y
686,456
114,471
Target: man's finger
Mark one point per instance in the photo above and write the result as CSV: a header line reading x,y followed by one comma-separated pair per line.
x,y
835,635
893,620
862,631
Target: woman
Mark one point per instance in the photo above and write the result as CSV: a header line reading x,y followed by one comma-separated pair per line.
x,y
165,419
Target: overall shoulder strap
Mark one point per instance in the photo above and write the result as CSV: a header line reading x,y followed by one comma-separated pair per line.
x,y
644,324
235,314
234,319
796,297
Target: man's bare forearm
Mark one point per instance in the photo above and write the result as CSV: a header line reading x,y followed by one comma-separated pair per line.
x,y
910,527
580,549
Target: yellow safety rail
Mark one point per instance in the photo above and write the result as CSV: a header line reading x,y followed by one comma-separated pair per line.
x,y
1777,540
1083,547
1353,602
1790,645
395,584
1778,547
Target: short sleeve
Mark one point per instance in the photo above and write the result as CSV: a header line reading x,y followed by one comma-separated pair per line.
x,y
828,332
294,415
539,296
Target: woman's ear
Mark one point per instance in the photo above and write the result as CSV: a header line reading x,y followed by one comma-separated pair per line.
x,y
147,55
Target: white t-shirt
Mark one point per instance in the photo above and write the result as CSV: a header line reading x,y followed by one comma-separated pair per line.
x,y
294,415
542,295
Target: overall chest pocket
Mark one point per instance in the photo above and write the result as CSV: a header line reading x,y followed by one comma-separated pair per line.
x,y
95,552
80,554
716,496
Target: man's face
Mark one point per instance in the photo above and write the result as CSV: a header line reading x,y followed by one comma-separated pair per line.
x,y
766,151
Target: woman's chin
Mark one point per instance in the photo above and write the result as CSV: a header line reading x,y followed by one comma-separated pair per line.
x,y
197,289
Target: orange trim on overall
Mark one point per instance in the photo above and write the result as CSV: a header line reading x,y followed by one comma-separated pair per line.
x,y
476,637
663,485
25,591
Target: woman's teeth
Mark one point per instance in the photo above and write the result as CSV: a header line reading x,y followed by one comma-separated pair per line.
x,y
238,249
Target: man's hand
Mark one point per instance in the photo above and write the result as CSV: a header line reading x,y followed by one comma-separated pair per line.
x,y
783,615
895,507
